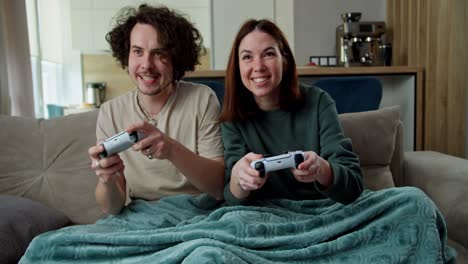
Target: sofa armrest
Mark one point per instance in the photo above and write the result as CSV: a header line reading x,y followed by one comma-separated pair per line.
x,y
444,179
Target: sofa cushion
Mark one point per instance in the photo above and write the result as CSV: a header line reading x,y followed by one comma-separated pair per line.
x,y
373,134
21,220
47,161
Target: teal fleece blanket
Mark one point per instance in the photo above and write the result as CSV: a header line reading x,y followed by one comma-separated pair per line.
x,y
398,225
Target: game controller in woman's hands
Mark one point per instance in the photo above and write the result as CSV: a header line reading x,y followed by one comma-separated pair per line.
x,y
285,161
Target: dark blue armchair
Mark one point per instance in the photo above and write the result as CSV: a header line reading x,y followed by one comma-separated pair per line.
x,y
353,94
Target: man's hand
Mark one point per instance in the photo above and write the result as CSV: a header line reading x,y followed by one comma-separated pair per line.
x,y
105,169
155,144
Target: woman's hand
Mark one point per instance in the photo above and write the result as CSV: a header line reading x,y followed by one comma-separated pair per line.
x,y
244,178
155,144
314,168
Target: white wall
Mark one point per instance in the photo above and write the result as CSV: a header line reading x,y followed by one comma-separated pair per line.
x,y
51,30
309,25
228,16
72,73
284,18
315,22
91,20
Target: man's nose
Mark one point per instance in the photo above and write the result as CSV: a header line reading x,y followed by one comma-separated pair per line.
x,y
147,62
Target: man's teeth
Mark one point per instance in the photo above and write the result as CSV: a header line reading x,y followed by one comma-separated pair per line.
x,y
147,78
259,80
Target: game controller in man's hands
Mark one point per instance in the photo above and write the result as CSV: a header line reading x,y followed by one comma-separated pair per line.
x,y
285,161
120,142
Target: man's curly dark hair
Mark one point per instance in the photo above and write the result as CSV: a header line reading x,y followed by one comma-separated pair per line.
x,y
175,33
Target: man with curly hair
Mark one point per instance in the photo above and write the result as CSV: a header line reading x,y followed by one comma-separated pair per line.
x,y
182,150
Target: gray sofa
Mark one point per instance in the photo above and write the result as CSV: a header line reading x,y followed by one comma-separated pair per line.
x,y
46,181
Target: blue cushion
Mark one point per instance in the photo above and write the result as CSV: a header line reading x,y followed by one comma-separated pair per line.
x,y
353,94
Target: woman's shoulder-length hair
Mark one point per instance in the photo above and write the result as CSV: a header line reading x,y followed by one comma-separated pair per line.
x,y
239,103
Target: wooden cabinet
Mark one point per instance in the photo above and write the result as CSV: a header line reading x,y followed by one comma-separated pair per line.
x,y
432,34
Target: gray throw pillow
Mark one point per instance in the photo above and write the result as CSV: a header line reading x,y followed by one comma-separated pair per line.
x,y
21,220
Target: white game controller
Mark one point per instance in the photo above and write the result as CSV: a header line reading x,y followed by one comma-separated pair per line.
x,y
285,161
120,142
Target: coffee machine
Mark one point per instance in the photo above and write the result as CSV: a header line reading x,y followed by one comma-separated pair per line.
x,y
95,93
359,43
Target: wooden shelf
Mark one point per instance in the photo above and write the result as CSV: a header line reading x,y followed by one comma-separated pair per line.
x,y
323,71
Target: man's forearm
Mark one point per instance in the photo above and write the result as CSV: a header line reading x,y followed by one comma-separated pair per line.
x,y
110,197
205,174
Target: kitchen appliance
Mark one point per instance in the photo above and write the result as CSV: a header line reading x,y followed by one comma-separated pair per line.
x,y
95,93
357,42
386,54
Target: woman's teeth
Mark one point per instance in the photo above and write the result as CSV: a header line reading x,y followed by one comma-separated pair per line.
x,y
259,80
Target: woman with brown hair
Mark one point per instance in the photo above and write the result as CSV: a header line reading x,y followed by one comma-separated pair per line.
x,y
267,111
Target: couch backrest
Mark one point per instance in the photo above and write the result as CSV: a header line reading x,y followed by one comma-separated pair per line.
x,y
396,166
377,140
47,160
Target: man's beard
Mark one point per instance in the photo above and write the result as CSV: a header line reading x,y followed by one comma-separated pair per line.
x,y
158,91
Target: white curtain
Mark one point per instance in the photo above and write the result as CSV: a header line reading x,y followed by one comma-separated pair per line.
x,y
16,89
5,107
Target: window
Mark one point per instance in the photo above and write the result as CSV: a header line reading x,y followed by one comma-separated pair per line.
x,y
45,42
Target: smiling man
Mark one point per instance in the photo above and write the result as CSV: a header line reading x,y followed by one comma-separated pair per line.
x,y
182,150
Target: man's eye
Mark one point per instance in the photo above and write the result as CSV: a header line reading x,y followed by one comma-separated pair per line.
x,y
137,52
160,55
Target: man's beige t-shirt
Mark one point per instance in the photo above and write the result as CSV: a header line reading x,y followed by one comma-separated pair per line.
x,y
189,116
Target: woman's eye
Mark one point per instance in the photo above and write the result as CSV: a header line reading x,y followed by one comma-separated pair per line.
x,y
270,54
137,52
245,57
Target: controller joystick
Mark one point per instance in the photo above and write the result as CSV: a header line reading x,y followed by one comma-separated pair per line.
x,y
260,167
298,159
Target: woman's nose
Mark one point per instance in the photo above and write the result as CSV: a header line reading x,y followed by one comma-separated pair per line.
x,y
258,64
